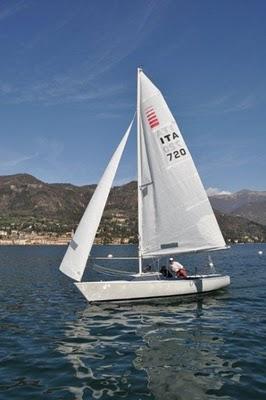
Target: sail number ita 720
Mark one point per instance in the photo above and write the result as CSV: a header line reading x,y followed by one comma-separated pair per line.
x,y
171,145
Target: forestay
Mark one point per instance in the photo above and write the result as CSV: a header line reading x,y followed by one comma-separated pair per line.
x,y
176,215
75,259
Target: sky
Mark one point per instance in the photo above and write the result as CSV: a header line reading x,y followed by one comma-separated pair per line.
x,y
68,85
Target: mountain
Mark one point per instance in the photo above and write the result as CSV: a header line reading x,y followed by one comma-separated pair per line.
x,y
240,229
27,204
23,195
246,203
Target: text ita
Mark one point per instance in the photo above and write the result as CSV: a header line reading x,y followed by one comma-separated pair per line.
x,y
168,138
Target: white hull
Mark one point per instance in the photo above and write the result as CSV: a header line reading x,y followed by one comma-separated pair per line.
x,y
145,289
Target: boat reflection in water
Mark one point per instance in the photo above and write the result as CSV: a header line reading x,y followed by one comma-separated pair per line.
x,y
169,351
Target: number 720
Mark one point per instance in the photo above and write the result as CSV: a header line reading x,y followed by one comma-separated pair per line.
x,y
176,154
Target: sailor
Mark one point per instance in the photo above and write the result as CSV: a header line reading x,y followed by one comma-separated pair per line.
x,y
177,268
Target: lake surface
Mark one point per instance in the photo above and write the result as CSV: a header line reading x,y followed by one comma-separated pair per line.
x,y
54,345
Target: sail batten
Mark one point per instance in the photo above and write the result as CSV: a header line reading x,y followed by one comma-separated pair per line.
x,y
75,259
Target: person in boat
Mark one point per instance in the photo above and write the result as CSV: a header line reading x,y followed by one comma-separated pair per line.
x,y
177,269
147,268
166,272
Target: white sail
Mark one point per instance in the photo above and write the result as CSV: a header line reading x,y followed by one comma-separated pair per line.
x,y
176,216
75,259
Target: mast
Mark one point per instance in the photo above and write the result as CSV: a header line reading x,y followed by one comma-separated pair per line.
x,y
139,172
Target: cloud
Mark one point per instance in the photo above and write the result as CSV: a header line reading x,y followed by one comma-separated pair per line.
x,y
5,88
216,192
50,30
223,104
50,149
112,44
9,8
47,153
82,79
63,90
16,159
244,104
107,115
72,88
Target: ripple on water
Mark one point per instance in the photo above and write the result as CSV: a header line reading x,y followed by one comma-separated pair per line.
x,y
55,346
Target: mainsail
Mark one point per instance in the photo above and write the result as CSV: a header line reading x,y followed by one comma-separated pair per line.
x,y
75,259
176,215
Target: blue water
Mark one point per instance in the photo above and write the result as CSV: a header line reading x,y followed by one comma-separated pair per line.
x,y
53,345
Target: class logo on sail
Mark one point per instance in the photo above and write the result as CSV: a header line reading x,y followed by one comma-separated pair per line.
x,y
152,117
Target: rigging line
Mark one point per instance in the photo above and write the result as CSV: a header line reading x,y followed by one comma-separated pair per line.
x,y
107,271
113,258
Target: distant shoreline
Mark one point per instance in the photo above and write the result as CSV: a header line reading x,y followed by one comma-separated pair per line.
x,y
62,243
52,242
37,243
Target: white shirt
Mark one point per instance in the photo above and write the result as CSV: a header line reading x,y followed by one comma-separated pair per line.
x,y
175,266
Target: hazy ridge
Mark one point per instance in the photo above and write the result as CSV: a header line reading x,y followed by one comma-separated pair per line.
x,y
27,203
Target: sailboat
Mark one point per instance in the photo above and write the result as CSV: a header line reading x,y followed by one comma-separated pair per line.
x,y
174,213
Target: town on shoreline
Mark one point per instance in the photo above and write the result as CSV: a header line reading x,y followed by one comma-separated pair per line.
x,y
27,239
22,238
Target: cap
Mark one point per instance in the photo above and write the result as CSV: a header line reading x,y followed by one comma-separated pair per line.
x,y
171,259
